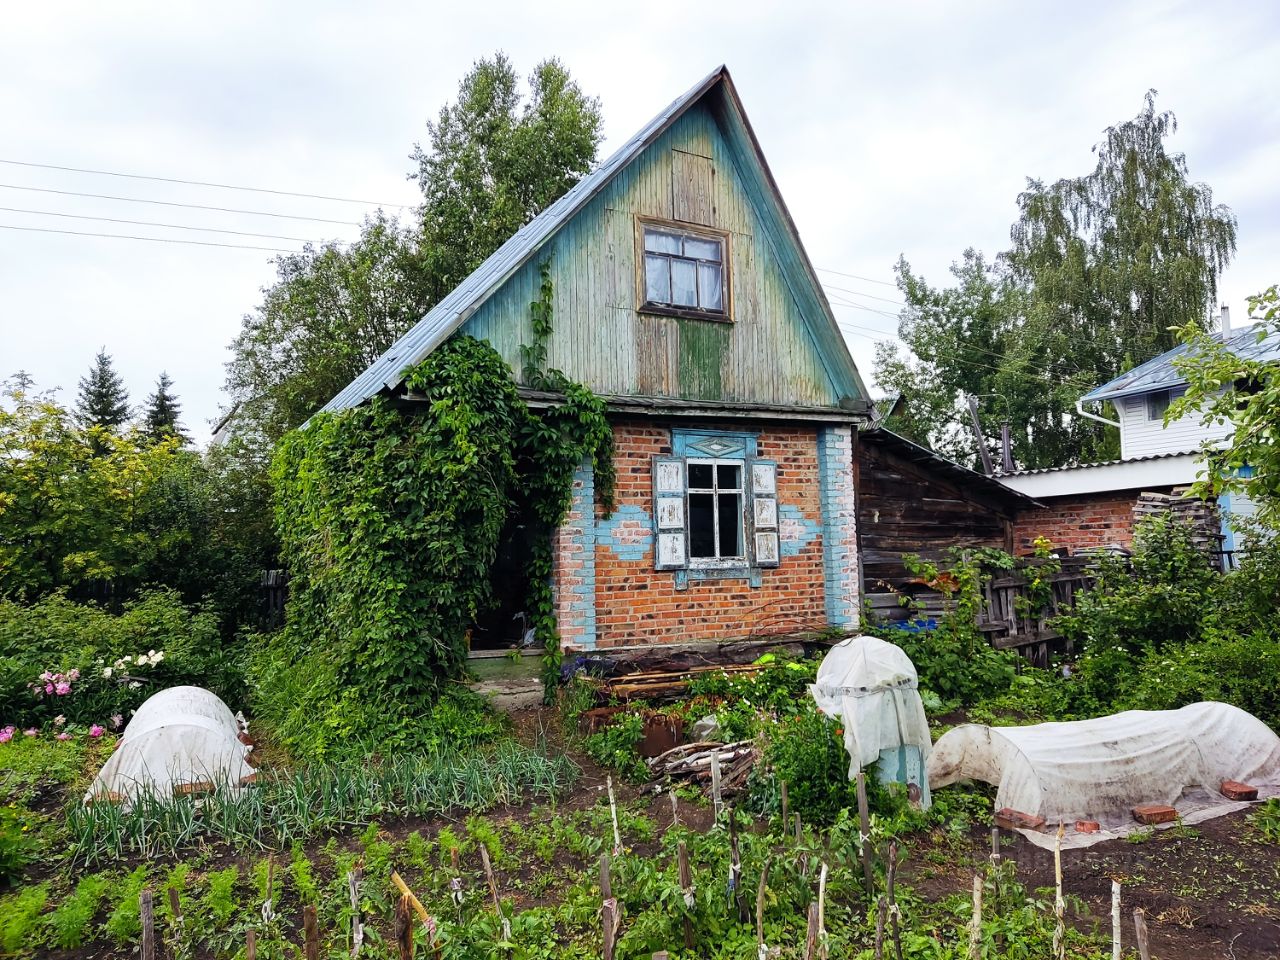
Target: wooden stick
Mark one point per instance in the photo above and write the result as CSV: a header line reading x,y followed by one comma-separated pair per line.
x,y
613,810
975,922
811,933
864,831
492,879
736,893
675,810
882,916
310,933
686,888
175,907
1140,930
251,944
764,880
1059,905
146,913
893,906
785,807
357,923
1115,920
822,911
404,928
455,882
717,802
608,908
995,844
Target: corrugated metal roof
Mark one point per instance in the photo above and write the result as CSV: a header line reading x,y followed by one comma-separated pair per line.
x,y
1160,374
1100,463
452,311
969,479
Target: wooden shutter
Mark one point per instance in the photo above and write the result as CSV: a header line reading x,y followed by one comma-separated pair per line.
x,y
764,511
670,548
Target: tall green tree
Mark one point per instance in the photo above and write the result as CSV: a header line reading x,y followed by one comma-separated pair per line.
x,y
1100,267
103,400
161,417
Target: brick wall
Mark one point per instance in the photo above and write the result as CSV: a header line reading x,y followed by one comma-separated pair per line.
x,y
636,604
1079,522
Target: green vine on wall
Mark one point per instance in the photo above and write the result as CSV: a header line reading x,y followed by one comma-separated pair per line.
x,y
391,517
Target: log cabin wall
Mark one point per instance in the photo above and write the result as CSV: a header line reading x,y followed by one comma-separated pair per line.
x,y
910,502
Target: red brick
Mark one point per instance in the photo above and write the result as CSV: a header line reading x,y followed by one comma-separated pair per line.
x,y
1235,790
1009,819
1152,813
1087,826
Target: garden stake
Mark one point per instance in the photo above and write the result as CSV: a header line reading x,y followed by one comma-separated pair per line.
x,y
357,924
310,933
804,860
493,889
175,911
975,923
1115,920
995,844
882,915
893,906
1059,905
811,933
864,834
686,888
613,810
251,944
455,883
608,909
1140,930
735,871
145,912
675,812
762,951
822,911
717,802
404,928
785,807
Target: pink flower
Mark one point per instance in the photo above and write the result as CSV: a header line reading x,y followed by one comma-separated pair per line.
x,y
31,732
63,688
73,675
96,731
64,735
59,720
116,721
7,734
48,688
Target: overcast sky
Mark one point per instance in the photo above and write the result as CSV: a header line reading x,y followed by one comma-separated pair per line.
x,y
892,129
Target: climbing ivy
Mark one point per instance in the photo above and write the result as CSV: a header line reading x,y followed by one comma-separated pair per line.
x,y
391,516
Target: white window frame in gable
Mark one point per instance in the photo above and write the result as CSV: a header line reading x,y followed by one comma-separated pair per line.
x,y
684,231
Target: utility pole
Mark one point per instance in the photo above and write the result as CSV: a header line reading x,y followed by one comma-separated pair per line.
x,y
977,433
1006,447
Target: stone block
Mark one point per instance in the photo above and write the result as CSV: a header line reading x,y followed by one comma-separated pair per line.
x,y
1153,813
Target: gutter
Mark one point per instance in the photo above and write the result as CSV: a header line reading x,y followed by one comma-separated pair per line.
x,y
1093,416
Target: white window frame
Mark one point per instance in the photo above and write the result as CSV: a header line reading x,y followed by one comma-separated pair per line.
x,y
738,560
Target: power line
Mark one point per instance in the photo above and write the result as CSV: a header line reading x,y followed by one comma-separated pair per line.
x,y
120,236
203,183
859,293
854,276
154,223
172,203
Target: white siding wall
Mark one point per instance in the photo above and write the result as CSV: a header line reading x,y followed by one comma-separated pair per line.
x,y
1140,437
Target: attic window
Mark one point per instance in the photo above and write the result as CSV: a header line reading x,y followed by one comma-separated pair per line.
x,y
684,272
1158,402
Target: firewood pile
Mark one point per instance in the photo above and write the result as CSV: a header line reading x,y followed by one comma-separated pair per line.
x,y
692,761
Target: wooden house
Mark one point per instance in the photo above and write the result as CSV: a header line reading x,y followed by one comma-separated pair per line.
x,y
683,296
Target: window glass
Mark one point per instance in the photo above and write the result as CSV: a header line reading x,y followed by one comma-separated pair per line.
x,y
684,283
730,525
700,475
655,241
1157,404
727,476
657,280
702,525
710,287
702,249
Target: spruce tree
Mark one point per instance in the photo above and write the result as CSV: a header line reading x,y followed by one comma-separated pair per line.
x,y
103,400
160,417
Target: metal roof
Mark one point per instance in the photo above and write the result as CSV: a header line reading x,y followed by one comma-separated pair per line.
x,y
1160,374
452,311
1100,463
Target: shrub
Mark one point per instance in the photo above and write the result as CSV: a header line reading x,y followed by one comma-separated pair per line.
x,y
807,751
615,746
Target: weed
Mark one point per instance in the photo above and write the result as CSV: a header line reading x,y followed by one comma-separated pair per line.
x,y
1266,820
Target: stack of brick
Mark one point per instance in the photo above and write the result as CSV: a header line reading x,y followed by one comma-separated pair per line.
x,y
1199,515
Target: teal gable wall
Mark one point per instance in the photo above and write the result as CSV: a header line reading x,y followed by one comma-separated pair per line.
x,y
770,353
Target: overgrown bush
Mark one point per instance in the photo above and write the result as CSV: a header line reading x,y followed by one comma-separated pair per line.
x,y
86,664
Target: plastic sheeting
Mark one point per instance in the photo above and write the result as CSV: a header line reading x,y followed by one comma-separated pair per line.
x,y
870,686
1099,769
183,738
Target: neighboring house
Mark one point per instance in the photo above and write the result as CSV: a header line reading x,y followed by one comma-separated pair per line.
x,y
683,296
1095,505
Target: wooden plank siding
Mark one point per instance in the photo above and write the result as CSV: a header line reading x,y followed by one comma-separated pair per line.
x,y
766,354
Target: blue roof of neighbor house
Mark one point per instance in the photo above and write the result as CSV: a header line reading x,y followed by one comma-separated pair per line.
x,y
1160,373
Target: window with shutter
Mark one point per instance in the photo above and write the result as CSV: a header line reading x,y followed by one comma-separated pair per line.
x,y
669,511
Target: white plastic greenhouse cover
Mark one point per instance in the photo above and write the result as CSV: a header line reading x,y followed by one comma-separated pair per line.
x,y
870,685
181,736
1099,769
